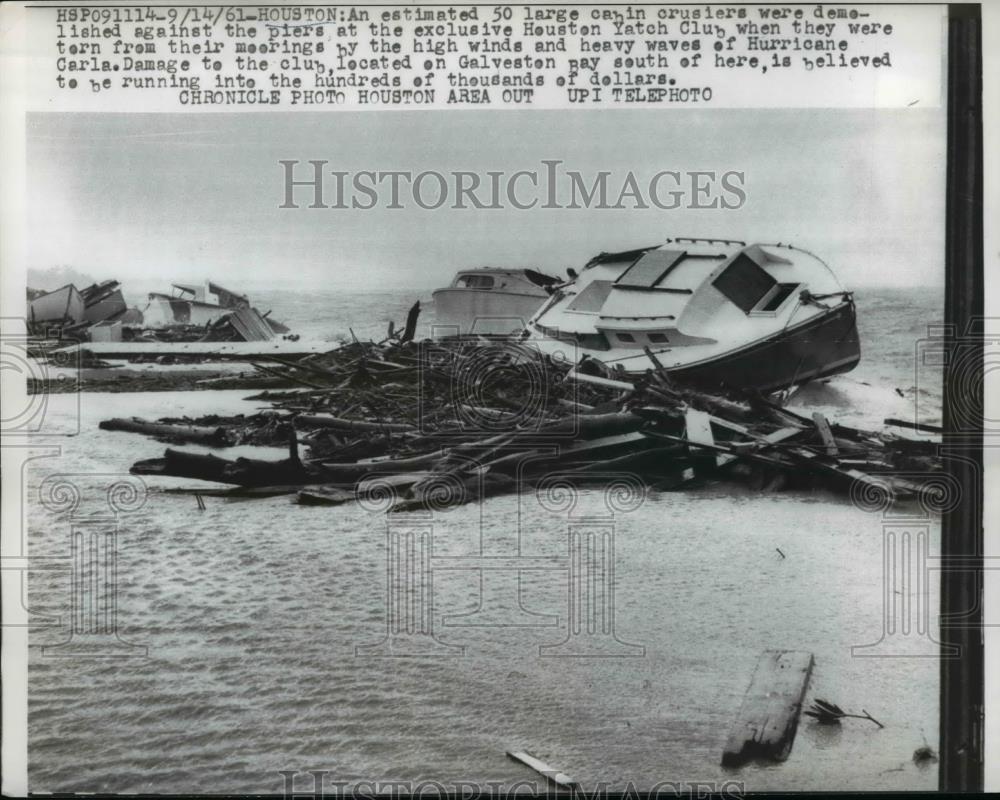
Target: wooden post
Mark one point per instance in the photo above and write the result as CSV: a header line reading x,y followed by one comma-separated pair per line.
x,y
766,724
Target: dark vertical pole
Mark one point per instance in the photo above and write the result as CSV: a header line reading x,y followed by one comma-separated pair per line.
x,y
961,767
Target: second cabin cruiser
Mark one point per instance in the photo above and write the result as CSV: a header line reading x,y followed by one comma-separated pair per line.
x,y
713,312
489,301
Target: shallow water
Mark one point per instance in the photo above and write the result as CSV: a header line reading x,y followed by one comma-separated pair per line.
x,y
250,613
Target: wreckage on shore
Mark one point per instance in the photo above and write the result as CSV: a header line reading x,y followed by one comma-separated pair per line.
x,y
189,305
100,314
438,423
71,312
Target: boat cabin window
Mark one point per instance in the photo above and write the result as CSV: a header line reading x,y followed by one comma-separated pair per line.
x,y
659,338
475,282
744,282
625,337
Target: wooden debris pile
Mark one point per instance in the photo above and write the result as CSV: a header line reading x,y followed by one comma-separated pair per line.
x,y
433,424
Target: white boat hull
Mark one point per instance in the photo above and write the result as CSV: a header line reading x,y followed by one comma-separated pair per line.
x,y
461,312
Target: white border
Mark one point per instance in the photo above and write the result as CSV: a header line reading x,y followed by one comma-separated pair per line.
x,y
14,655
13,660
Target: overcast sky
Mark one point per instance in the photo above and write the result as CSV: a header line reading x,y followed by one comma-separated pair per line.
x,y
161,196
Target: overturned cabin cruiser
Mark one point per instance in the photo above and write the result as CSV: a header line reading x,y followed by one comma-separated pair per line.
x,y
713,312
489,301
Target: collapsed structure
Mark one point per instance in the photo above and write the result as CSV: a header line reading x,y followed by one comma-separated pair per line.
x,y
99,313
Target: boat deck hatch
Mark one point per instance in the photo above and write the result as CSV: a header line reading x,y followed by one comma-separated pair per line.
x,y
744,282
650,268
592,298
777,297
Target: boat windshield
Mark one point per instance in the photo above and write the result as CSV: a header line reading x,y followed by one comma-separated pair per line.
x,y
474,282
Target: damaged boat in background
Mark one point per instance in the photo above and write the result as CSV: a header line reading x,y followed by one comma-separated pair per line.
x,y
69,311
489,301
99,314
711,312
190,305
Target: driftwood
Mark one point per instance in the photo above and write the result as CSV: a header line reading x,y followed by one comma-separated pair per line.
x,y
769,716
179,464
193,434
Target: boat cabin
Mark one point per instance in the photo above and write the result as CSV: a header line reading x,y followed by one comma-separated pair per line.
x,y
687,299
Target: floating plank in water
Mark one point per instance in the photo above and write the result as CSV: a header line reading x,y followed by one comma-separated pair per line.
x,y
766,724
916,426
539,766
324,496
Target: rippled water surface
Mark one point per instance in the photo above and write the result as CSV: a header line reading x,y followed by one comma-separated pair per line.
x,y
243,627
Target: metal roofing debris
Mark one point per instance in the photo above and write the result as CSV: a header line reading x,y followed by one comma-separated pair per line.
x,y
249,324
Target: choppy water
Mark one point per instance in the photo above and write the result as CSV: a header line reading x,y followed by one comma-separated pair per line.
x,y
250,613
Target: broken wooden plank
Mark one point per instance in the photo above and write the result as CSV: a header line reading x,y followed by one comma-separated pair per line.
x,y
180,464
581,407
652,357
239,351
539,766
607,383
733,450
897,487
336,423
769,715
284,375
214,436
915,426
698,425
774,437
324,496
825,434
